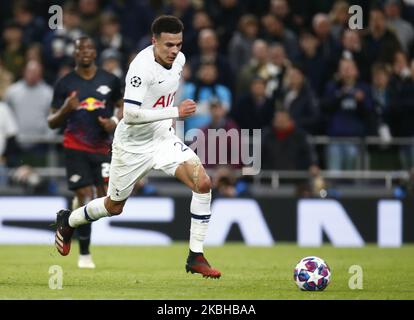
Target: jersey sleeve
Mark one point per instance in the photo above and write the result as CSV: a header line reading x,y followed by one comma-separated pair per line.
x,y
59,94
137,81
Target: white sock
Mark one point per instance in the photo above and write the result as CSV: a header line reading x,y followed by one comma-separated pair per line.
x,y
93,211
200,217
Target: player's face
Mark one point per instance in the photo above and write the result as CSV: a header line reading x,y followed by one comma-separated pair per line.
x,y
167,46
85,53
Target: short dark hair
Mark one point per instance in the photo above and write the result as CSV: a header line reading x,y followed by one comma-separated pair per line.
x,y
168,24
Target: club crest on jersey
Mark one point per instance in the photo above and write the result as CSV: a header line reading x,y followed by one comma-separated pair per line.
x,y
164,101
103,89
136,81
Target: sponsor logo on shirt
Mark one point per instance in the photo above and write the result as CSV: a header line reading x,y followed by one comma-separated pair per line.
x,y
91,104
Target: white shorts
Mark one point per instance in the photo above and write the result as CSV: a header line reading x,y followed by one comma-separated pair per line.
x,y
128,168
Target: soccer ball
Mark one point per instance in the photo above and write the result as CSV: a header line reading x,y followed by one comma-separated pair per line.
x,y
312,274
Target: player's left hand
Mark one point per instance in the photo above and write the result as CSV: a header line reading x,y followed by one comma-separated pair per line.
x,y
108,124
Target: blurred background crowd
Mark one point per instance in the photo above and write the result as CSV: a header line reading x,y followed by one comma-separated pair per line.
x,y
291,68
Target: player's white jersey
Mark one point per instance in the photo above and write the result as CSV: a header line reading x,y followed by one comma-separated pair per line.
x,y
148,85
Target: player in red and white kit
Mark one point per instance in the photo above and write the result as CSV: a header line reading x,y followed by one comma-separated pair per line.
x,y
144,140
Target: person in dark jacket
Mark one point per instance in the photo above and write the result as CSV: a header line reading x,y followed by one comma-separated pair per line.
x,y
286,147
380,43
347,105
402,111
253,110
299,99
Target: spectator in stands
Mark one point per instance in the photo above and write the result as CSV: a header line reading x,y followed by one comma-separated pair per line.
x,y
201,21
402,110
314,65
230,153
380,44
352,49
285,147
137,17
347,105
184,10
275,31
400,68
205,89
400,75
111,61
6,11
30,100
10,156
403,29
339,18
328,47
226,15
381,100
278,59
258,8
13,50
240,46
226,185
281,9
33,27
58,44
258,66
298,99
111,37
6,79
253,110
90,17
34,52
408,10
208,48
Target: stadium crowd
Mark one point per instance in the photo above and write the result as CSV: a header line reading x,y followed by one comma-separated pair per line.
x,y
292,68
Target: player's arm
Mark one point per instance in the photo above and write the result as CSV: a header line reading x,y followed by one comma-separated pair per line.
x,y
109,124
119,111
58,116
133,114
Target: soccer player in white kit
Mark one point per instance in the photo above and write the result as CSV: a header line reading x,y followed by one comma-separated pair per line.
x,y
144,140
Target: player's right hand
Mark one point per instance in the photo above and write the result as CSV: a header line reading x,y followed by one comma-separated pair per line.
x,y
72,101
186,108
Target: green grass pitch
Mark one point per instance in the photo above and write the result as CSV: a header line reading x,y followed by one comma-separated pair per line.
x,y
158,273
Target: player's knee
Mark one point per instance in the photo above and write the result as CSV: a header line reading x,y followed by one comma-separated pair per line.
x,y
204,184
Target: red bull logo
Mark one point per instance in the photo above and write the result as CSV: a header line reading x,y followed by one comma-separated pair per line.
x,y
91,104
